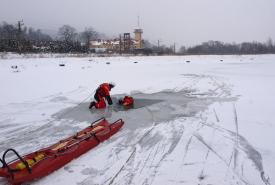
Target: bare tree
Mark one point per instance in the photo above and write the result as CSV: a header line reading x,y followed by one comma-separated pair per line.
x,y
182,50
87,35
269,44
147,44
8,31
37,35
67,33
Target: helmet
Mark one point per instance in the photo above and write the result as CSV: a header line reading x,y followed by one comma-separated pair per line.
x,y
112,84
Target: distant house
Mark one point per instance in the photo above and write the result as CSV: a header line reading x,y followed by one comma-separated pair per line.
x,y
122,44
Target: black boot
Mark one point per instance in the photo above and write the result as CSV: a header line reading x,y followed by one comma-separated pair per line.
x,y
92,104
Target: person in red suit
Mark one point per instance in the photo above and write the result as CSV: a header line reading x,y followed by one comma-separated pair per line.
x,y
126,101
102,93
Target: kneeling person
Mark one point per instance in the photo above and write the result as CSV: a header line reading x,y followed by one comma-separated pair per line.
x,y
102,94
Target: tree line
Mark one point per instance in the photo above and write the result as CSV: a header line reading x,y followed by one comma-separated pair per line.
x,y
16,38
220,48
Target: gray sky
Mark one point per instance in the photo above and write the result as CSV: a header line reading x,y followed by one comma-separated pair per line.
x,y
185,22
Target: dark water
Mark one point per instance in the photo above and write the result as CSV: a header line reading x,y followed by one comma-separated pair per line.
x,y
148,109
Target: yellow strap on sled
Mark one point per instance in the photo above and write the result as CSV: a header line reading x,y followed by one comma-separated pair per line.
x,y
31,162
61,145
93,130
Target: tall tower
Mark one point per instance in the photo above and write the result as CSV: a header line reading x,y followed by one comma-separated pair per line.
x,y
138,36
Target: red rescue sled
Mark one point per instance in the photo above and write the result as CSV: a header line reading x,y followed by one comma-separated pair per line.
x,y
41,163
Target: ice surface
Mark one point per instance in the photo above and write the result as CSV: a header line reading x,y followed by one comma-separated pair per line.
x,y
203,122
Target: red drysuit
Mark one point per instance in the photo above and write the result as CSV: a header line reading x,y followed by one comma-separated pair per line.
x,y
102,93
127,101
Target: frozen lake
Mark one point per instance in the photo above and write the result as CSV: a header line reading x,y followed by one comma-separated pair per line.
x,y
207,121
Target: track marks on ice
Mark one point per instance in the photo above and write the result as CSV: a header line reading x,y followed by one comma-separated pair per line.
x,y
153,148
242,150
132,154
192,146
215,87
235,151
200,138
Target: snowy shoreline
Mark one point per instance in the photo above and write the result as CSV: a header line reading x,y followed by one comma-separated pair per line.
x,y
11,55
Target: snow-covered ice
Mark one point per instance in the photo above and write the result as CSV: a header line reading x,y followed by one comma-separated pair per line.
x,y
207,121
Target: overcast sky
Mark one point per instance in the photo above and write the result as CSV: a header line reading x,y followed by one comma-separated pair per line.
x,y
184,22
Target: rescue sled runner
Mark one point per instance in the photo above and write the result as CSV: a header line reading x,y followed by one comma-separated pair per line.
x,y
40,163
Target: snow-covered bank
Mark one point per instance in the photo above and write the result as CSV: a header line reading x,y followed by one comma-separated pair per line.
x,y
219,109
12,55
